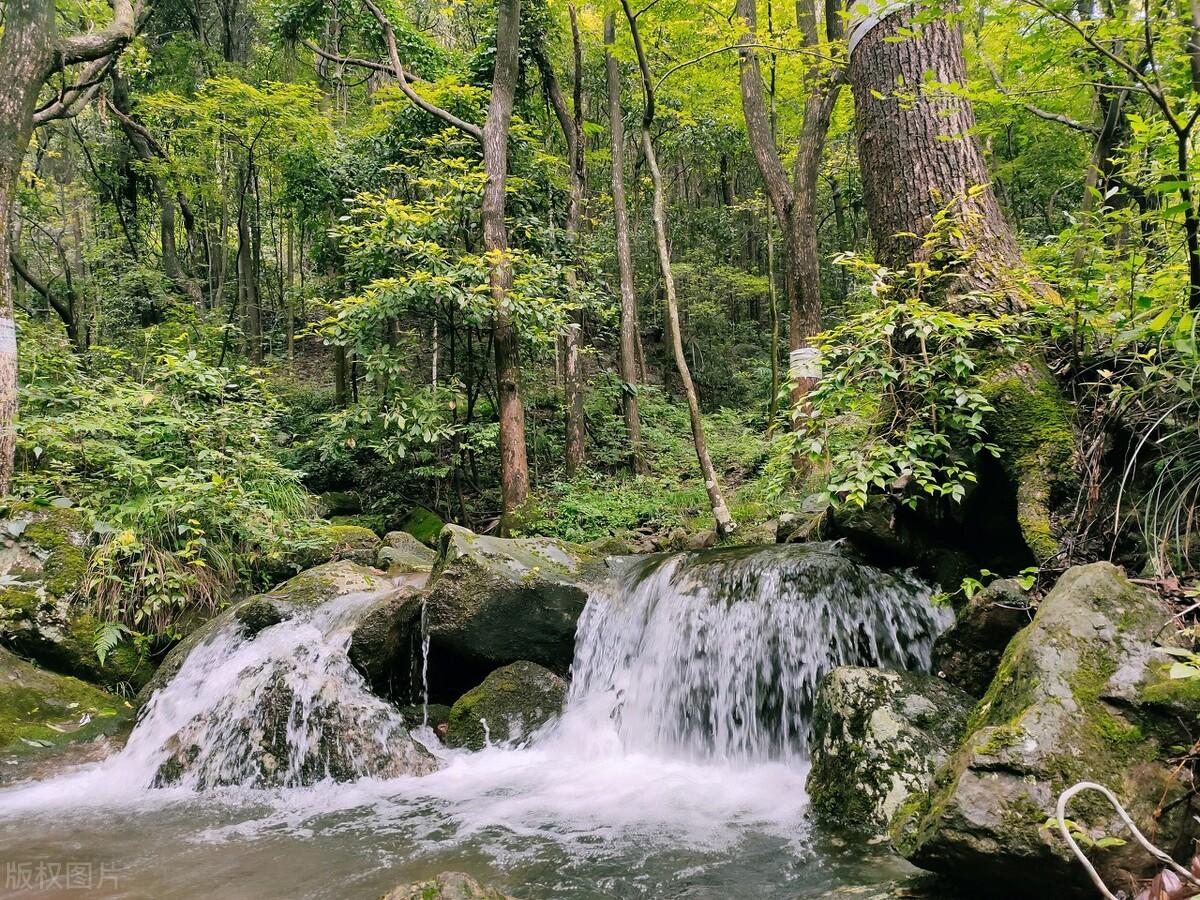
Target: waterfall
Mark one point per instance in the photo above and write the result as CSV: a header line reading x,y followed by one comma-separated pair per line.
x,y
284,707
719,654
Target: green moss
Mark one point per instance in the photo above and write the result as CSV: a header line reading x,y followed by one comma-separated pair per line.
x,y
18,602
423,524
1000,739
1033,424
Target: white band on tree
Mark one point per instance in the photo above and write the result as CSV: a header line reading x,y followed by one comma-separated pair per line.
x,y
8,336
860,27
805,363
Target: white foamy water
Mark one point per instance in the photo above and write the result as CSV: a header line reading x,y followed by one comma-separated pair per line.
x,y
677,768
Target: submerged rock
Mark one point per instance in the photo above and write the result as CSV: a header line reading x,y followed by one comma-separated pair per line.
x,y
404,553
447,886
42,567
514,701
41,710
1082,694
878,737
968,653
493,601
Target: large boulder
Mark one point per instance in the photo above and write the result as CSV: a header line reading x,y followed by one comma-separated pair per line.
x,y
385,645
401,552
878,737
295,708
510,704
446,886
423,524
1082,694
310,588
43,563
41,711
968,653
493,601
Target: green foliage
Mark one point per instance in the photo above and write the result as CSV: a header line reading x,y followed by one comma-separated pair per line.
x,y
175,461
900,406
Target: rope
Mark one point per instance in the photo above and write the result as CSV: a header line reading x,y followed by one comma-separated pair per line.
x,y
1162,857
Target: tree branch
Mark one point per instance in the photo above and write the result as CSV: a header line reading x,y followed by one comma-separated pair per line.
x,y
1037,110
356,61
93,45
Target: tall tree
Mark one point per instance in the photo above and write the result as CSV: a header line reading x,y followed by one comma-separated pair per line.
x,y
627,359
794,201
725,523
31,51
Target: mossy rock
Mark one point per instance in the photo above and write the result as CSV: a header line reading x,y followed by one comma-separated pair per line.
x,y
340,503
311,587
968,653
493,601
401,552
514,701
447,886
423,524
878,737
42,711
1077,697
1033,424
327,542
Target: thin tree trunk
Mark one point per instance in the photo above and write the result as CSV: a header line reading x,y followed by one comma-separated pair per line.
x,y
724,522
514,462
628,357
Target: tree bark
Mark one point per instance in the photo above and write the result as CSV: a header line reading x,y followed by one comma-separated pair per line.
x,y
571,123
724,521
30,51
628,357
917,155
514,463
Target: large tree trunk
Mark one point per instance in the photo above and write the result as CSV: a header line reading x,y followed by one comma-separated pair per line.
x,y
514,464
724,521
628,357
917,157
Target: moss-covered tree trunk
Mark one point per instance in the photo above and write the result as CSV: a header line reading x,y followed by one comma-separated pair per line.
x,y
918,158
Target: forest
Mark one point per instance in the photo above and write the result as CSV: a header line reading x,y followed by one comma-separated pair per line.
x,y
600,448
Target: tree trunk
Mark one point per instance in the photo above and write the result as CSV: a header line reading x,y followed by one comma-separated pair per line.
x,y
917,156
724,522
514,463
571,123
628,357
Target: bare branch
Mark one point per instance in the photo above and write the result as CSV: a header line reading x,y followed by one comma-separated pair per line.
x,y
93,45
1037,110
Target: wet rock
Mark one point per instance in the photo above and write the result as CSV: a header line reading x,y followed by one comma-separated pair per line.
x,y
514,701
447,886
1081,694
401,552
346,736
968,653
42,567
385,645
878,737
257,613
702,540
340,503
42,711
493,601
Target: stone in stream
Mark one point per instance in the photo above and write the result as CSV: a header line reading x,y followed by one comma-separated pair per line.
x,y
1082,694
446,886
43,561
401,552
514,701
296,664
878,737
968,653
42,712
493,601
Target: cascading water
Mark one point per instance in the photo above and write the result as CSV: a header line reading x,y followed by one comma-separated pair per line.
x,y
720,654
676,770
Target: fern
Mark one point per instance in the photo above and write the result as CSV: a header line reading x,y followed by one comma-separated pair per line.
x,y
108,636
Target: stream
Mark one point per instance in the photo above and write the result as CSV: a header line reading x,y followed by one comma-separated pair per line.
x,y
676,770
